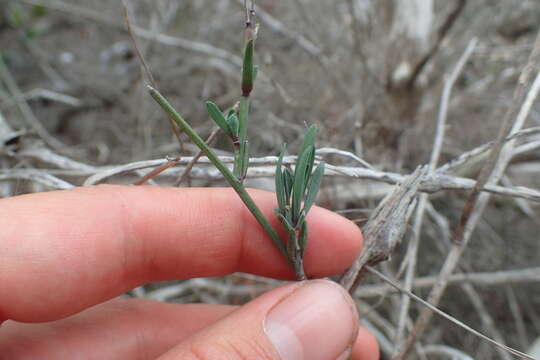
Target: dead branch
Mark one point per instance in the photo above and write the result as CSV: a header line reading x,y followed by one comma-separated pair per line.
x,y
385,228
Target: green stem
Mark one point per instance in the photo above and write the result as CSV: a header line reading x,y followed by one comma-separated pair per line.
x,y
231,179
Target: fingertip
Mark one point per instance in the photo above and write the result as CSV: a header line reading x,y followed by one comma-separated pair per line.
x,y
366,346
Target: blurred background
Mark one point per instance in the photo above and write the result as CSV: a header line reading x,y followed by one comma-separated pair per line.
x,y
368,73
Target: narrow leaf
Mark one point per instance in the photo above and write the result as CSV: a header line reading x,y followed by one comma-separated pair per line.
x,y
288,179
299,185
233,124
280,185
218,117
309,165
313,188
309,138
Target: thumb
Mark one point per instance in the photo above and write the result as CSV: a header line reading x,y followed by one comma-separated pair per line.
x,y
314,320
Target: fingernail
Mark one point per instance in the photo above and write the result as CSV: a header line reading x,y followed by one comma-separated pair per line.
x,y
316,321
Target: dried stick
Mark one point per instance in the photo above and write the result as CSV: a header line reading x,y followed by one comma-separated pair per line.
x,y
412,251
524,95
385,228
152,174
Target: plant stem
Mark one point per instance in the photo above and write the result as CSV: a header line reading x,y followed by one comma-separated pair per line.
x,y
231,179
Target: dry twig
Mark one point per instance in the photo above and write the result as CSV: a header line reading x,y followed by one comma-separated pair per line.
x,y
385,228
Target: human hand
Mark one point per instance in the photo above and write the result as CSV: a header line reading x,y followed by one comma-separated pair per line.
x,y
66,254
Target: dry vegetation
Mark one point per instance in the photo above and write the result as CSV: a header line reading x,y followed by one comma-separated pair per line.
x,y
73,108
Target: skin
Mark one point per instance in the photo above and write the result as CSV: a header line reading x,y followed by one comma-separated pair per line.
x,y
68,255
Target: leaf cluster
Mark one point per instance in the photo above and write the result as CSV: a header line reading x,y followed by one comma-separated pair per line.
x,y
296,192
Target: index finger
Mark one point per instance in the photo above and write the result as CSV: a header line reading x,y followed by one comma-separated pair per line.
x,y
65,251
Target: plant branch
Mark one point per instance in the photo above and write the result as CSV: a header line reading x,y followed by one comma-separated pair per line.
x,y
227,174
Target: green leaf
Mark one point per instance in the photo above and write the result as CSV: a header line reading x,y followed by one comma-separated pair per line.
x,y
233,124
247,70
309,142
309,138
309,165
299,185
280,185
313,188
288,179
218,117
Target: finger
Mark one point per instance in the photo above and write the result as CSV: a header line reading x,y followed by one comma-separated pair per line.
x,y
74,249
118,329
310,320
